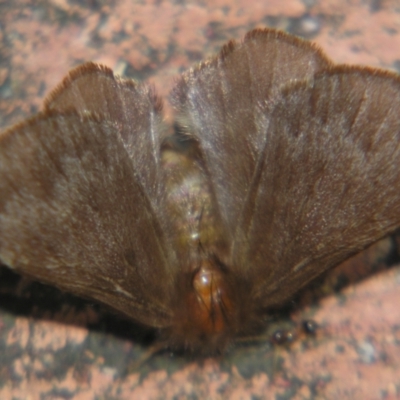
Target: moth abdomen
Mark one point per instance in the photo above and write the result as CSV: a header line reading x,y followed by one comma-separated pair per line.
x,y
204,309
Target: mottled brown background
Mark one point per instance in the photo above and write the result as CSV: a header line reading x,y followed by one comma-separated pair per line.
x,y
54,346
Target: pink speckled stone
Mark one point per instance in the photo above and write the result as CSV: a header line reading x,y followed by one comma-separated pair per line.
x,y
65,353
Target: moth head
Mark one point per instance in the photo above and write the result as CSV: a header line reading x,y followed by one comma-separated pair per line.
x,y
207,313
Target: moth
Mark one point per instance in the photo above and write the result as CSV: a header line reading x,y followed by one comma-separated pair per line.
x,y
282,165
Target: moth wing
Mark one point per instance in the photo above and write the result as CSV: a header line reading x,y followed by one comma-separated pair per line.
x,y
133,107
74,215
218,103
327,182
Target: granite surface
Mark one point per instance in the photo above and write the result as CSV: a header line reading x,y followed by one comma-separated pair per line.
x,y
55,346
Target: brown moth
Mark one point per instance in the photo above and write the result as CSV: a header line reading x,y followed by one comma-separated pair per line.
x,y
283,166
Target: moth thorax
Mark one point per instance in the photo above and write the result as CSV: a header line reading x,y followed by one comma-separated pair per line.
x,y
205,311
210,302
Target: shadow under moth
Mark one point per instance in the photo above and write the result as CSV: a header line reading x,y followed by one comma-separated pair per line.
x,y
282,165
